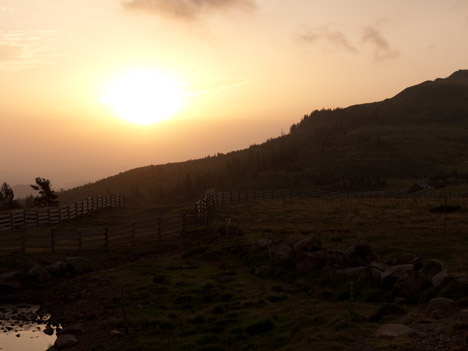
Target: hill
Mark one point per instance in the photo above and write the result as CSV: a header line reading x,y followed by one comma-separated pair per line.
x,y
418,134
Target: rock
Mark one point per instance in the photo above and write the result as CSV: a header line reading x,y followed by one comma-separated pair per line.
x,y
116,333
263,270
38,274
281,253
262,245
360,254
351,273
74,329
48,330
395,330
56,267
12,280
440,278
65,341
308,261
431,268
78,265
309,245
440,307
335,259
402,280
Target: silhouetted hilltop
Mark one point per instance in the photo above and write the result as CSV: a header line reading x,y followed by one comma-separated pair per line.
x,y
422,132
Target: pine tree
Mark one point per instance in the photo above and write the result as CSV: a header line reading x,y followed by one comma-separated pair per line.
x,y
47,197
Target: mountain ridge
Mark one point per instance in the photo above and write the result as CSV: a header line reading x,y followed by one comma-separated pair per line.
x,y
419,133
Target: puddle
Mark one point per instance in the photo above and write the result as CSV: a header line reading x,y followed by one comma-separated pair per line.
x,y
22,329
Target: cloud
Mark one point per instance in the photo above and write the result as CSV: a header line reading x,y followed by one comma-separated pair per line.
x,y
325,34
187,9
382,49
22,49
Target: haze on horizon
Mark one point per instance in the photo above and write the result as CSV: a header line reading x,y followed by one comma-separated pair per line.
x,y
240,72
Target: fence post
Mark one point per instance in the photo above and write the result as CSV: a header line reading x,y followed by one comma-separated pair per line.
x,y
52,240
133,233
50,219
106,237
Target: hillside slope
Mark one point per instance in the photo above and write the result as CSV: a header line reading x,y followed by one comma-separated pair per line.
x,y
421,132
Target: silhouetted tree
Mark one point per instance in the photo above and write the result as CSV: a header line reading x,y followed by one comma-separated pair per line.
x,y
47,197
7,196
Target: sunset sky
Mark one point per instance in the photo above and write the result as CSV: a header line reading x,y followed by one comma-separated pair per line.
x,y
222,74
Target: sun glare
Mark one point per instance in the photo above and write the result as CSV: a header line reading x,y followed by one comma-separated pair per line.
x,y
143,96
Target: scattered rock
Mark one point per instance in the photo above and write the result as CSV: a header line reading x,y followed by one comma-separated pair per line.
x,y
440,307
335,259
431,268
116,333
440,278
38,274
78,265
282,253
360,254
395,330
402,280
56,267
308,261
309,245
74,329
48,330
350,273
65,341
11,280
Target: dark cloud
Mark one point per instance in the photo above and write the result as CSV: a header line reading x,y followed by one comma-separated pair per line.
x,y
331,36
382,49
187,9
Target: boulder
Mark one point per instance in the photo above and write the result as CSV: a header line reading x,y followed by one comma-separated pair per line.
x,y
38,274
65,341
441,307
77,265
282,253
395,330
335,259
309,245
440,278
354,273
402,280
431,268
262,245
56,267
12,280
360,254
74,329
308,261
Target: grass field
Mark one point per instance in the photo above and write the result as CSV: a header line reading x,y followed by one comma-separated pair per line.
x,y
200,292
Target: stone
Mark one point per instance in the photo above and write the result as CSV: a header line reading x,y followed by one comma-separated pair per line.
x,y
335,259
262,245
309,245
78,265
351,273
74,329
440,307
431,268
116,333
281,253
65,341
308,261
38,273
440,278
56,267
395,330
402,280
360,254
12,280
48,330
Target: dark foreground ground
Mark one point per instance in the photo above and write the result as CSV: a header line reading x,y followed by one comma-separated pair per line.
x,y
207,290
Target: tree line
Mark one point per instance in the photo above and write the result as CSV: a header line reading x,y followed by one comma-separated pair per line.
x,y
46,195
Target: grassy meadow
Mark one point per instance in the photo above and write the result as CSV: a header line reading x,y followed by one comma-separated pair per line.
x,y
199,292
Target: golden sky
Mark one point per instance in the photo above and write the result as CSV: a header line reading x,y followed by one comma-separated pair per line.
x,y
243,71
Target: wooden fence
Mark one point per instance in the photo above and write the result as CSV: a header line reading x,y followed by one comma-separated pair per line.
x,y
43,239
55,215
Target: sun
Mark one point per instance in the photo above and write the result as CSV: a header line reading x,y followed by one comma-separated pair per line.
x,y
143,96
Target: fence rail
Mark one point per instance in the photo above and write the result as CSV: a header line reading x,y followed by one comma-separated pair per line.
x,y
55,215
